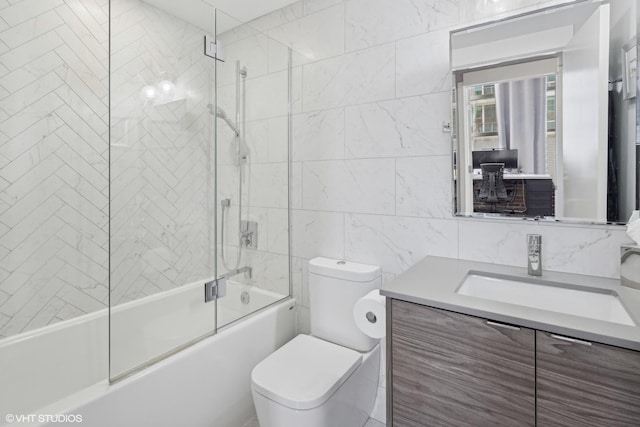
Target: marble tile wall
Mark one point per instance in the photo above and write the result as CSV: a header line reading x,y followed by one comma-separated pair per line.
x,y
370,163
53,161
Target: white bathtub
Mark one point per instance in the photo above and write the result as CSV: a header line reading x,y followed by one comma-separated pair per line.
x,y
63,368
148,328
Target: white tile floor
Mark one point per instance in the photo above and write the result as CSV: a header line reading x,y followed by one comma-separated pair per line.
x,y
253,422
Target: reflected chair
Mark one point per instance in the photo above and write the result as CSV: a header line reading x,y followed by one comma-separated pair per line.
x,y
493,190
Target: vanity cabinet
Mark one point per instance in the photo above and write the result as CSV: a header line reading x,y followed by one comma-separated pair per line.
x,y
586,384
450,369
446,369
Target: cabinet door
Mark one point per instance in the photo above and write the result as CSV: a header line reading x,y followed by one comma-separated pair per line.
x,y
449,369
586,384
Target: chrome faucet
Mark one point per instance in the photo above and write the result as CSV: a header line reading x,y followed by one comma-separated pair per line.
x,y
534,254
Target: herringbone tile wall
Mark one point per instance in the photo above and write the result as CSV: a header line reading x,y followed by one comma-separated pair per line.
x,y
54,157
53,161
162,180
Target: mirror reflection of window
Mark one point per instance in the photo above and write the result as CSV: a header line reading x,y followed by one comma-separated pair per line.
x,y
511,128
552,150
516,115
551,103
484,124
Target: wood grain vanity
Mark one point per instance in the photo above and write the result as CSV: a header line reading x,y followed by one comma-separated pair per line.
x,y
449,369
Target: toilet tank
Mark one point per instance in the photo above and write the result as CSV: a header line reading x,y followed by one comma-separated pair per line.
x,y
334,288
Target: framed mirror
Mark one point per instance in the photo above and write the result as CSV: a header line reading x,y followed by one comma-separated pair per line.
x,y
544,123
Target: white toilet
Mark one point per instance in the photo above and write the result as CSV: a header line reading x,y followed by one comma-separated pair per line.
x,y
328,378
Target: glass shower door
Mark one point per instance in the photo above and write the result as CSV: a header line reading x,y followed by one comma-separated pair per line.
x,y
162,180
253,120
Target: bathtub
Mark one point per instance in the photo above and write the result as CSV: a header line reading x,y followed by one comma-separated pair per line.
x,y
208,382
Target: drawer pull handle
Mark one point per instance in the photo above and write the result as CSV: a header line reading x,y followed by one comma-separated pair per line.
x,y
572,340
502,325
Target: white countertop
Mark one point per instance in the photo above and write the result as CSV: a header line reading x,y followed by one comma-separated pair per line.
x,y
477,177
434,281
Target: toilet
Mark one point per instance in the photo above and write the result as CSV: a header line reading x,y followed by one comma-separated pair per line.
x,y
328,378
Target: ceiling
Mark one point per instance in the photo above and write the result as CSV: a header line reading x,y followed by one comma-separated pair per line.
x,y
247,10
199,12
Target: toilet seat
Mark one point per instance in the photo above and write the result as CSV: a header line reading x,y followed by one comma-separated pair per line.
x,y
305,372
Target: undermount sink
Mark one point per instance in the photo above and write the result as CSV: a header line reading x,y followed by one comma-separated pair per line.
x,y
592,303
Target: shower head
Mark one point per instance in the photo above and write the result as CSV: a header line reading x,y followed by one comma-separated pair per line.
x,y
221,114
241,147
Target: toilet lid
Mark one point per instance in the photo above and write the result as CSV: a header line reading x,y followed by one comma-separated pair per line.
x,y
305,372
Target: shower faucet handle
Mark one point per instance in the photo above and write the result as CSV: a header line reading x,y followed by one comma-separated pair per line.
x,y
247,238
249,234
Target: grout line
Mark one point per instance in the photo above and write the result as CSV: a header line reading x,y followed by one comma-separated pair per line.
x,y
344,133
344,235
395,69
344,17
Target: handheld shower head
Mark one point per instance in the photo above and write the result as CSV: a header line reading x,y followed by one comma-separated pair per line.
x,y
242,148
221,114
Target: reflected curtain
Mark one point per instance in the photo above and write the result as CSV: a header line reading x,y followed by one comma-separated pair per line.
x,y
521,109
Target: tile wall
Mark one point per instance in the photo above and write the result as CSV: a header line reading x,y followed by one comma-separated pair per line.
x,y
53,161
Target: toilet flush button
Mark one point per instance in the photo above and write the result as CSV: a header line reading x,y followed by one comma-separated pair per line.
x,y
341,262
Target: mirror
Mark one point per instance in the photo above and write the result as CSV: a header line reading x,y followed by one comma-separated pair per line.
x,y
544,114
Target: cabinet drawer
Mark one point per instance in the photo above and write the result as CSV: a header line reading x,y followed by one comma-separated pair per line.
x,y
450,369
586,384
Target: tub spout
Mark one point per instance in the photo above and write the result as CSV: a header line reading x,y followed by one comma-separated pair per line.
x,y
248,272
